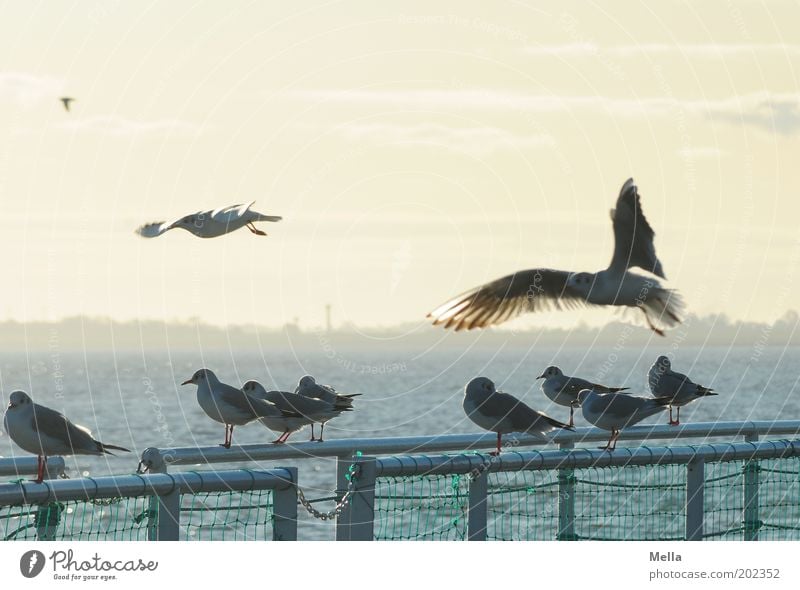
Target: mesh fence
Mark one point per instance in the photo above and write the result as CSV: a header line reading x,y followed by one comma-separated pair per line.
x,y
610,503
426,507
235,516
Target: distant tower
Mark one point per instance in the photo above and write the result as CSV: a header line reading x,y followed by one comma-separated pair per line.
x,y
328,317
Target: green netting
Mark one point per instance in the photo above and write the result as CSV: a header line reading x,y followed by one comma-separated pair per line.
x,y
612,503
235,516
228,516
426,507
119,519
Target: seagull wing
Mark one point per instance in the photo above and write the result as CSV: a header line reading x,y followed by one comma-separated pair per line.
x,y
54,425
494,303
156,228
633,236
523,418
231,213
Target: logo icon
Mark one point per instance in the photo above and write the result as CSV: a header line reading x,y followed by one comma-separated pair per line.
x,y
31,563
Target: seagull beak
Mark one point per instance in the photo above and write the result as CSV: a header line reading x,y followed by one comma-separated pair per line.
x,y
540,377
11,405
187,382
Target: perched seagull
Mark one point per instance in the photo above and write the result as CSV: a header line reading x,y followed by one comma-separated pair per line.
x,y
678,388
306,409
66,101
615,411
503,413
308,387
543,288
45,432
564,390
229,405
211,224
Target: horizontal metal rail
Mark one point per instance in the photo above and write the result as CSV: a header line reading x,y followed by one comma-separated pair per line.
x,y
159,459
14,466
579,458
158,484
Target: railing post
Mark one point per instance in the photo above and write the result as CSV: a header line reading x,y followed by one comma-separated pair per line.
x,y
478,494
284,510
566,500
750,513
695,488
168,515
357,521
155,464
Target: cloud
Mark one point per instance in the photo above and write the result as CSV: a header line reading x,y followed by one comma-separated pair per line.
x,y
117,126
478,141
770,112
693,50
28,89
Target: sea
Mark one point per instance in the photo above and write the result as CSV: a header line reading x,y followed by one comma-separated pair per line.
x,y
134,398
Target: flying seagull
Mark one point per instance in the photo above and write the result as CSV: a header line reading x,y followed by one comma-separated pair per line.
x,y
66,101
45,432
212,223
564,390
544,288
615,411
502,413
677,387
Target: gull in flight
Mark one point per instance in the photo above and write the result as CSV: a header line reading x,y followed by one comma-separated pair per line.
x,y
231,406
564,390
212,223
543,288
502,413
676,387
308,387
66,101
615,411
45,432
307,410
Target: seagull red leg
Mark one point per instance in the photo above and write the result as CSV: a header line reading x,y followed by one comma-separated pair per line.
x,y
499,442
255,230
313,438
321,429
571,416
40,462
674,422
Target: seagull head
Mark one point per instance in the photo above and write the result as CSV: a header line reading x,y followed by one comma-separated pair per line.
x,y
200,376
19,399
581,282
480,386
306,381
550,372
190,223
663,363
253,388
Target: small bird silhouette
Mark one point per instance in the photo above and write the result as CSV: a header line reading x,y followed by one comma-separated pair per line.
x,y
66,100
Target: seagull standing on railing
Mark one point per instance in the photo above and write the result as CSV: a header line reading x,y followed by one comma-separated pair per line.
x,y
502,413
45,432
615,411
564,390
309,410
664,382
231,406
544,288
308,387
211,223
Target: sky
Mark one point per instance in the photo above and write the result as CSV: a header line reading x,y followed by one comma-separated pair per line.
x,y
415,150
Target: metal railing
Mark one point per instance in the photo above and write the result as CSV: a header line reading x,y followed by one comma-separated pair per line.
x,y
164,492
358,520
352,523
18,466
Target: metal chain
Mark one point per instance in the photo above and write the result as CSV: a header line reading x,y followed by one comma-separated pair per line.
x,y
340,505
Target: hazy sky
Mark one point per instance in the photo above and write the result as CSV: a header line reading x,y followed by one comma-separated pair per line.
x,y
414,150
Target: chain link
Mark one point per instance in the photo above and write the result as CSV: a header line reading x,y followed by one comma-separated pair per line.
x,y
352,476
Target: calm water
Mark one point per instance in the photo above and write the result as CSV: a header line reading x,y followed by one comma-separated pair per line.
x,y
136,401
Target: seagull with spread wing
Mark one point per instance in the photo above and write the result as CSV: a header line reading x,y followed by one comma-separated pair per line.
x,y
211,224
543,288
